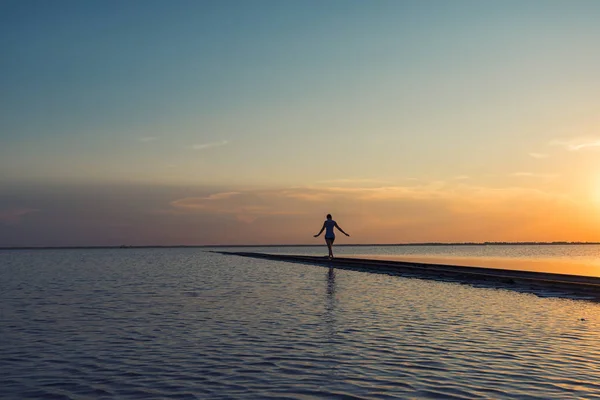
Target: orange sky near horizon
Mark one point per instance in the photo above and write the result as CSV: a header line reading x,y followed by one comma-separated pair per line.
x,y
399,214
435,212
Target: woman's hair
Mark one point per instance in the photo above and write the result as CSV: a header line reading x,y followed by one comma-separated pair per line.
x,y
328,216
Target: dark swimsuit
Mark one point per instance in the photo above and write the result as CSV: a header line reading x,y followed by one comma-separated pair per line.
x,y
329,225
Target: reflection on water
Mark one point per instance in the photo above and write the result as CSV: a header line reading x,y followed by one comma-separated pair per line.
x,y
330,348
330,282
558,266
330,303
561,259
183,323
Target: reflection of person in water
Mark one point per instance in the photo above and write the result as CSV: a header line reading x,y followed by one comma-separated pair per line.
x,y
332,345
328,226
331,281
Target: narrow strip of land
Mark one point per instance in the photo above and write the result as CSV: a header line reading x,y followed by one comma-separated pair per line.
x,y
540,283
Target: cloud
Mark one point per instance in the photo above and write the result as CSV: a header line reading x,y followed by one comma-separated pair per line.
x,y
14,215
391,206
312,196
205,146
539,155
146,139
353,181
147,215
534,175
244,206
577,144
202,202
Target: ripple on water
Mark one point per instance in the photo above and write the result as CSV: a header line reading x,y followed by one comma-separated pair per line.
x,y
185,324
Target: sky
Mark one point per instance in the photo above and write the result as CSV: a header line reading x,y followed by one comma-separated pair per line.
x,y
187,122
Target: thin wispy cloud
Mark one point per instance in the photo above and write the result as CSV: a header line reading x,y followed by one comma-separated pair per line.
x,y
251,205
221,196
14,215
534,175
353,181
244,206
577,143
539,155
204,146
146,139
235,215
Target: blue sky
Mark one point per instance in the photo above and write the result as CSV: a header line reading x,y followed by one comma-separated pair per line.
x,y
90,77
287,94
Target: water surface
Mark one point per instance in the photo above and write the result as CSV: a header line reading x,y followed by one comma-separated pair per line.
x,y
561,259
184,323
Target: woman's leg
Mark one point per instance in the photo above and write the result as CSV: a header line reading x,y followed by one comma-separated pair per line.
x,y
330,246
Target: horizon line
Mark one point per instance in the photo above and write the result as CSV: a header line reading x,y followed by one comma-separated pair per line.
x,y
499,243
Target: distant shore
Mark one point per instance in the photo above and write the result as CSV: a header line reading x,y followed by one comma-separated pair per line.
x,y
557,243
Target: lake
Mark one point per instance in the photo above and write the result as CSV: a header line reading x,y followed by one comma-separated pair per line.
x,y
185,323
562,259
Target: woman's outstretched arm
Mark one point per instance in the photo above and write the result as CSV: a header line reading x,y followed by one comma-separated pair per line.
x,y
321,231
341,230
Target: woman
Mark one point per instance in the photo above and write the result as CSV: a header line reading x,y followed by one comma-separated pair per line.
x,y
328,226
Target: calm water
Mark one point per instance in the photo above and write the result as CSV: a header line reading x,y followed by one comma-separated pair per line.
x,y
586,253
188,324
562,259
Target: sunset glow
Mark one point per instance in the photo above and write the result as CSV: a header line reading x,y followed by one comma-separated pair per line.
x,y
247,122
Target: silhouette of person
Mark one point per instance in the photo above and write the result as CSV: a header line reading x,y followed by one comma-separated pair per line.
x,y
328,226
